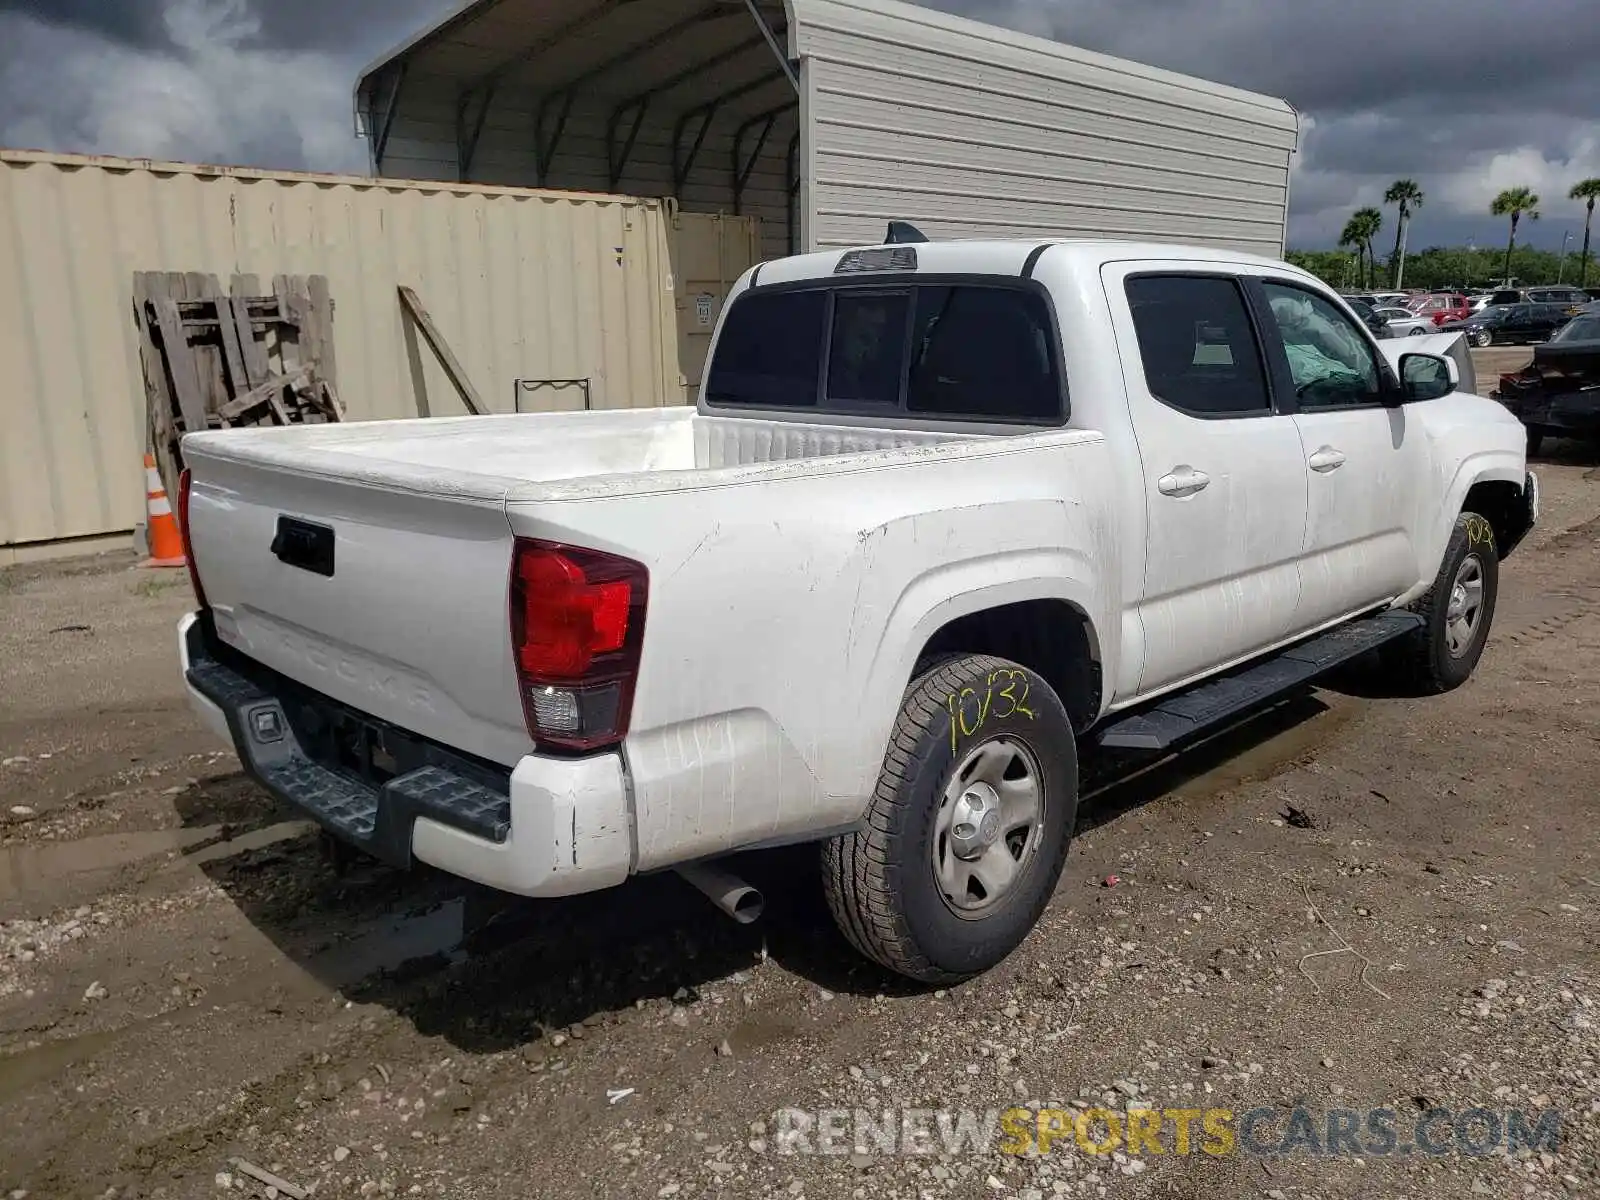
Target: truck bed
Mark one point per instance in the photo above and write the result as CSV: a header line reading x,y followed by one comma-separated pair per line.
x,y
406,621
547,456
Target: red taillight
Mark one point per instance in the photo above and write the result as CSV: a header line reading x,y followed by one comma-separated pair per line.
x,y
577,626
185,486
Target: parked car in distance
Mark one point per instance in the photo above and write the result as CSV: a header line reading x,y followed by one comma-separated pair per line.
x,y
1364,309
1507,324
1558,393
911,555
1573,298
1387,299
1442,307
1402,322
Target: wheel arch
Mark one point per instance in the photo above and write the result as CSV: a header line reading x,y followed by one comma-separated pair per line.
x,y
1502,504
1050,635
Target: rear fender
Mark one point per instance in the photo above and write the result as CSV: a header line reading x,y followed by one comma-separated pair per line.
x,y
1030,550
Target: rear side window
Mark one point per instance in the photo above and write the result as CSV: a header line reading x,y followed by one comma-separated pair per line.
x,y
1198,346
938,349
769,352
983,353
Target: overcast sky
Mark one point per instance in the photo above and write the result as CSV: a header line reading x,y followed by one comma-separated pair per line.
x,y
1465,96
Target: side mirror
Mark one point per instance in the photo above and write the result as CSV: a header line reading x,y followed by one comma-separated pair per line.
x,y
1427,377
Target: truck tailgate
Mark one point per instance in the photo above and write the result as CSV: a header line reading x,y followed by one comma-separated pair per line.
x,y
378,590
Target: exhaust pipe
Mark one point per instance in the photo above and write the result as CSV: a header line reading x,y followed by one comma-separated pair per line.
x,y
728,892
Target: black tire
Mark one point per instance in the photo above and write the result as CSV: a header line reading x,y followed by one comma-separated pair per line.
x,y
1428,663
880,882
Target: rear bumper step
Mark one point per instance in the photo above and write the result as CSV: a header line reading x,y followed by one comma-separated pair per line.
x,y
362,779
1206,707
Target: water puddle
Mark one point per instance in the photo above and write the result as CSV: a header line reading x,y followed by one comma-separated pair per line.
x,y
60,871
41,867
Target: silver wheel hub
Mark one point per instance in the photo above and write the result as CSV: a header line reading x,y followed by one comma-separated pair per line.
x,y
989,824
1464,610
975,822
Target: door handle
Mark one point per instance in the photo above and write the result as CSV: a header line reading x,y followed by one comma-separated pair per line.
x,y
1183,481
1326,459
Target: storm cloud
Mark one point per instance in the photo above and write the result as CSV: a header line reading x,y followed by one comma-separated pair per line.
x,y
1466,98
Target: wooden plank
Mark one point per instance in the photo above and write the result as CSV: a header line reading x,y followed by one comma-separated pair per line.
x,y
322,314
253,350
330,396
441,349
159,420
263,394
289,348
228,330
180,365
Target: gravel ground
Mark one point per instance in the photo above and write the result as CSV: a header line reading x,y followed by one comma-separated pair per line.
x,y
185,981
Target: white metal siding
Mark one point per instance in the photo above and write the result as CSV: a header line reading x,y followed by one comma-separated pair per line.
x,y
972,131
524,284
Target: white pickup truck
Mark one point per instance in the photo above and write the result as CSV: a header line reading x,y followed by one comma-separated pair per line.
x,y
947,517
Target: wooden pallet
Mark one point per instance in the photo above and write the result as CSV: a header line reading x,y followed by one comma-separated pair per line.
x,y
215,360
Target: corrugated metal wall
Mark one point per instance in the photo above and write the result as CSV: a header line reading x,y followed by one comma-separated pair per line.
x,y
524,284
972,131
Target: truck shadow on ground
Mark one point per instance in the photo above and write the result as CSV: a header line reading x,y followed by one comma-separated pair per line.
x,y
490,972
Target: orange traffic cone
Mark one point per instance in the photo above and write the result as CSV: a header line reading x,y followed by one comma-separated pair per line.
x,y
166,542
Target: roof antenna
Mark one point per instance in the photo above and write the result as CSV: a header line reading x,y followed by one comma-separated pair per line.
x,y
903,232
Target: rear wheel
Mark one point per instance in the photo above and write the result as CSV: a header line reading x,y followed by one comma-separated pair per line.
x,y
968,829
1457,610
1418,331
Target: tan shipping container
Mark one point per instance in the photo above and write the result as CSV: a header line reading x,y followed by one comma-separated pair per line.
x,y
525,285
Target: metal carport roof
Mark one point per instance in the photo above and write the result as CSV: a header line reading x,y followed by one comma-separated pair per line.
x,y
688,61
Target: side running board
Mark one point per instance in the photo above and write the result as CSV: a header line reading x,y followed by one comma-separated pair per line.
x,y
1201,709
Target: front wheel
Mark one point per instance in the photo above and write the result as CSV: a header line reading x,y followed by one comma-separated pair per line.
x,y
1457,610
1482,338
967,831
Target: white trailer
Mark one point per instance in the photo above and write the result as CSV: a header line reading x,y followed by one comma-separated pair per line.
x,y
827,118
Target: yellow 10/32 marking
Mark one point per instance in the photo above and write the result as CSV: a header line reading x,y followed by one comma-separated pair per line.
x,y
971,707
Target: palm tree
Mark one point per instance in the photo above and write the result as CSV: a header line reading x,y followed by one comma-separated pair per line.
x,y
1352,238
1588,191
1408,196
1371,221
1516,203
1359,231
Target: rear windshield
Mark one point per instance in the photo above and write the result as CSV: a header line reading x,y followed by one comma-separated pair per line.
x,y
1579,329
950,350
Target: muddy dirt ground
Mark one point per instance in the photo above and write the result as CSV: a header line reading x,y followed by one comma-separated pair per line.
x,y
186,981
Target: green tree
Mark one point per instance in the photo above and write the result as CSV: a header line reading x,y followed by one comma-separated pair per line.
x,y
1586,191
1333,267
1408,196
1516,203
